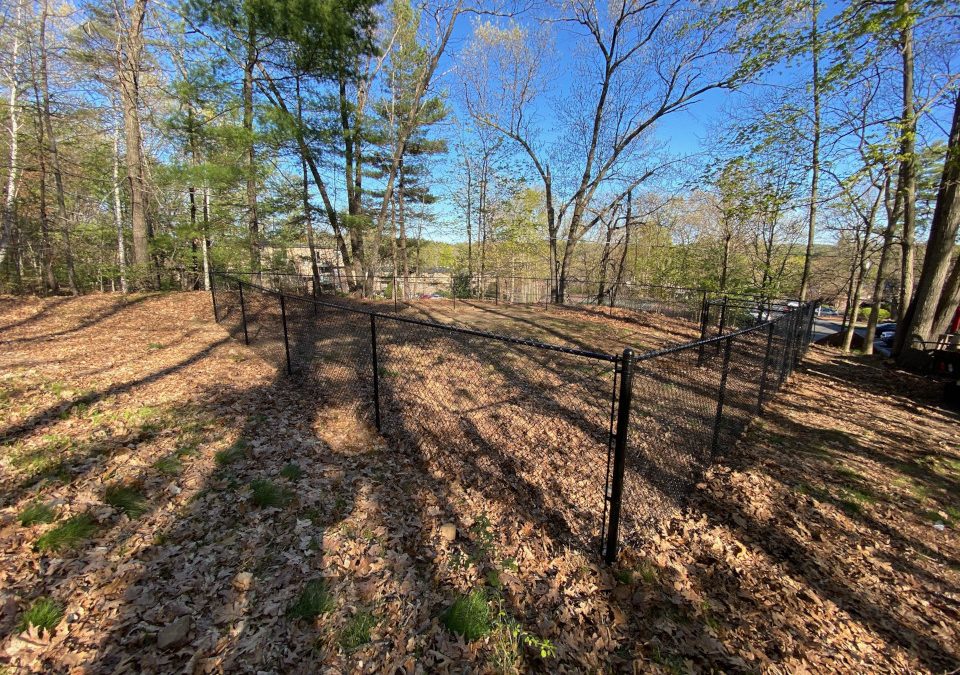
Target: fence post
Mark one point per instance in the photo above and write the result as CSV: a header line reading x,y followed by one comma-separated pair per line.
x,y
376,370
788,347
286,339
794,327
808,337
619,455
704,318
243,314
723,319
497,287
766,367
213,293
721,395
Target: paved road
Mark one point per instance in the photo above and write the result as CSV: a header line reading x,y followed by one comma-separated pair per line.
x,y
825,327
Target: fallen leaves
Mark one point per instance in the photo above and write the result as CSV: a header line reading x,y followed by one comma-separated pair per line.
x,y
774,566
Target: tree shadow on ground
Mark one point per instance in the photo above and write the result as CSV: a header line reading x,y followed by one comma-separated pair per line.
x,y
366,498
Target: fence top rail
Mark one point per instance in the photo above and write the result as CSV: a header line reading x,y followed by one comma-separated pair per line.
x,y
756,303
598,356
654,353
519,277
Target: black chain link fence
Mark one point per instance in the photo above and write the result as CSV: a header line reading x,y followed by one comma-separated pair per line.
x,y
593,446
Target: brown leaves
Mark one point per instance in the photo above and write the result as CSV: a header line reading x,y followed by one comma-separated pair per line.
x,y
808,550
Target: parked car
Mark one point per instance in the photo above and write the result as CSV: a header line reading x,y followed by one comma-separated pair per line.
x,y
823,310
886,332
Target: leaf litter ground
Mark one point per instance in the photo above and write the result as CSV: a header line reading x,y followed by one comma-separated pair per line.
x,y
827,541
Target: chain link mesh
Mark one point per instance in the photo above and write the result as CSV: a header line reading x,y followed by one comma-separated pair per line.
x,y
528,423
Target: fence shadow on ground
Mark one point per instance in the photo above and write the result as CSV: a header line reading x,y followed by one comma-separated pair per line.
x,y
550,410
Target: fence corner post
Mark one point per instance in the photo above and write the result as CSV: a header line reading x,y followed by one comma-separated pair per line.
x,y
619,455
721,394
704,319
286,339
376,370
243,314
213,294
766,367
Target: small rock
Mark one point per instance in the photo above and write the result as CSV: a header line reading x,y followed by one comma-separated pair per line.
x,y
174,634
73,617
174,489
448,531
939,527
243,581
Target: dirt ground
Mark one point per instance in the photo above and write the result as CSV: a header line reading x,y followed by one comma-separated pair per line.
x,y
826,541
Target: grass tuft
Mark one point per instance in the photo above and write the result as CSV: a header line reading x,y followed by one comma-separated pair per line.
x,y
234,453
127,499
67,535
313,601
266,493
357,631
292,472
170,465
44,614
37,512
469,615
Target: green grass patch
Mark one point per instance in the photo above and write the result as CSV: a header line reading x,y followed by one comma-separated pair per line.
x,y
312,602
67,535
357,631
127,499
44,613
848,473
154,346
469,615
647,572
858,495
44,458
266,493
936,517
234,453
292,472
37,512
170,465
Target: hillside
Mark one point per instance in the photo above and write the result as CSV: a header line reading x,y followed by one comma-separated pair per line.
x,y
188,508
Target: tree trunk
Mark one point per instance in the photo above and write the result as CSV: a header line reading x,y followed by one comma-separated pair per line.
x,y
815,152
352,169
627,227
129,63
6,233
54,152
469,219
908,165
253,222
206,236
602,290
922,313
949,299
307,211
118,212
724,269
885,254
401,209
855,296
50,284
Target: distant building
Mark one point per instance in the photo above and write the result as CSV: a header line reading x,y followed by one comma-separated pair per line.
x,y
328,259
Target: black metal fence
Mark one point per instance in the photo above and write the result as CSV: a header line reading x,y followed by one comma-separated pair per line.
x,y
592,446
719,310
